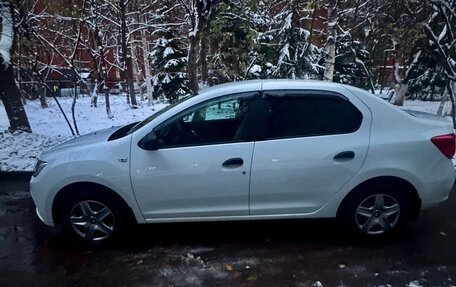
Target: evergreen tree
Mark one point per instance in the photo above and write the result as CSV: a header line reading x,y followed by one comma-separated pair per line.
x,y
170,61
283,44
232,39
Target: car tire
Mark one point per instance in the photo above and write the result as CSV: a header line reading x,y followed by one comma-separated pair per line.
x,y
93,217
375,211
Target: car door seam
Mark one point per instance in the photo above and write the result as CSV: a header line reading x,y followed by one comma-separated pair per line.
x,y
250,176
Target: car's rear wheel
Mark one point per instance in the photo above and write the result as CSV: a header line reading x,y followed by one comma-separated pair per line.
x,y
92,217
375,211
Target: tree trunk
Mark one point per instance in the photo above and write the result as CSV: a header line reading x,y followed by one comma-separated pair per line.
x,y
330,48
191,65
451,87
102,73
203,53
150,99
127,58
9,93
94,96
73,107
431,96
11,98
136,70
383,73
43,102
401,92
108,105
443,100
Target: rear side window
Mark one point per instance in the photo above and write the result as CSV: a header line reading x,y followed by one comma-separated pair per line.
x,y
302,114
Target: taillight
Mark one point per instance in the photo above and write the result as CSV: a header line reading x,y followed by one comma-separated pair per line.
x,y
446,144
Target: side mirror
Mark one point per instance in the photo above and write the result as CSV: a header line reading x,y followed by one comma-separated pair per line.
x,y
149,142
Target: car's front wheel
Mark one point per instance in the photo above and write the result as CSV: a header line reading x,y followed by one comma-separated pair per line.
x,y
376,211
92,217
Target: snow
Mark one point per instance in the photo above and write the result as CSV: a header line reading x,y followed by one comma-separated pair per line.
x,y
255,70
168,51
84,75
6,40
171,63
414,283
18,151
287,24
443,33
427,107
284,54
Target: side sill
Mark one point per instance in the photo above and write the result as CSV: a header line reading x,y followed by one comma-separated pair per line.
x,y
233,218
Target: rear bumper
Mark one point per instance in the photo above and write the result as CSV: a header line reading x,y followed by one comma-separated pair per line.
x,y
439,188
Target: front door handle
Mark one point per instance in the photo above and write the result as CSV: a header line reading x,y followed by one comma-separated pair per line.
x,y
233,162
345,155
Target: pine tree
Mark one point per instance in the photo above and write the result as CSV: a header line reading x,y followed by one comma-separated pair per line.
x,y
170,61
232,39
295,55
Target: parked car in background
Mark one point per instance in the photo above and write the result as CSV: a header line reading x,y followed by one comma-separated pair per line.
x,y
68,92
273,149
118,88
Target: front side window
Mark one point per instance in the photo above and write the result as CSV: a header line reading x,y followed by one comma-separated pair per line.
x,y
216,121
303,114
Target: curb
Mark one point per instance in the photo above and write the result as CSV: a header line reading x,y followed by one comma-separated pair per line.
x,y
15,175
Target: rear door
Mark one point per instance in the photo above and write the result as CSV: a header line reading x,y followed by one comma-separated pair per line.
x,y
315,142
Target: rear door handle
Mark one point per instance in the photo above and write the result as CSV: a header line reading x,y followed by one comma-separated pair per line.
x,y
233,162
345,155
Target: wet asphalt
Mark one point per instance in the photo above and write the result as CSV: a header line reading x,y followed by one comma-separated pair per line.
x,y
271,253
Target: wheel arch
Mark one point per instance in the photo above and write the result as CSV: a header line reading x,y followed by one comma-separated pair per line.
x,y
85,185
400,183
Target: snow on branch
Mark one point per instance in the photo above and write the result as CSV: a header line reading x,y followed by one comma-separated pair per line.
x,y
413,63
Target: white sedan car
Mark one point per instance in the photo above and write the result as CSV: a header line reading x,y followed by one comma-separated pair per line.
x,y
271,149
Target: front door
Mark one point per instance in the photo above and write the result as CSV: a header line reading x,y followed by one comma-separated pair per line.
x,y
202,166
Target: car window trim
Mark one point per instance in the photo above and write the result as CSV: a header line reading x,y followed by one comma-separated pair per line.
x,y
313,93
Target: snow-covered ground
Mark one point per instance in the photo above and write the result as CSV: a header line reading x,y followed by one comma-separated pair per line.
x,y
18,151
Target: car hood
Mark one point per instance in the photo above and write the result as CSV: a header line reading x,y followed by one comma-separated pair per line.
x,y
87,139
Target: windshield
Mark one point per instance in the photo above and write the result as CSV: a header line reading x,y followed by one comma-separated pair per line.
x,y
154,116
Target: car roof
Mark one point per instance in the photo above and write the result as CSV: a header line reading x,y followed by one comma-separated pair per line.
x,y
268,84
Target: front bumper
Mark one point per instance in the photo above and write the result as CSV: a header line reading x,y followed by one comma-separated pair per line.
x,y
42,219
43,208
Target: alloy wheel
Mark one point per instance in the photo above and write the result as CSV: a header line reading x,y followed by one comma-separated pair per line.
x,y
92,220
377,214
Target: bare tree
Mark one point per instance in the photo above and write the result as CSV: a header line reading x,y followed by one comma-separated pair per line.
x,y
199,15
440,29
122,6
96,42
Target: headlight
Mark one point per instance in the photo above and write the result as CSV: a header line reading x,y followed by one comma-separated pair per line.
x,y
39,167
